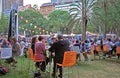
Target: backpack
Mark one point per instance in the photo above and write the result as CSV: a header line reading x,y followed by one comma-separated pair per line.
x,y
3,70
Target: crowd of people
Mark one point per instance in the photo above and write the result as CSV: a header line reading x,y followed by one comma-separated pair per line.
x,y
56,47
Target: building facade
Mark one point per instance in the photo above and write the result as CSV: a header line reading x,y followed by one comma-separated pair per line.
x,y
66,6
23,8
7,4
62,1
46,9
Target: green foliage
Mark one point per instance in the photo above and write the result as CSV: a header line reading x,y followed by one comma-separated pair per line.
x,y
58,20
102,16
4,24
31,21
106,16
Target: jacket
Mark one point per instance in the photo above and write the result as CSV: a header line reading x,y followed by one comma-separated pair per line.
x,y
40,52
59,48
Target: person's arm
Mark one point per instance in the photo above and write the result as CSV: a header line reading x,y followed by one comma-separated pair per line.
x,y
9,46
52,48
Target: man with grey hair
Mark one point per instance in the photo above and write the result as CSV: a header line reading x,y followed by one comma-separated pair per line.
x,y
59,47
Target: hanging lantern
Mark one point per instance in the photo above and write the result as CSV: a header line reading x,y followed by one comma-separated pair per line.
x,y
50,33
26,21
35,26
40,32
31,24
21,18
39,28
43,30
47,32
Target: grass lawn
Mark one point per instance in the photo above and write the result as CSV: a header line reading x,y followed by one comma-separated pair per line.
x,y
108,68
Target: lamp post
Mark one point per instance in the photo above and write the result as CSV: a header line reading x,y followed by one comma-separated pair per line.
x,y
0,8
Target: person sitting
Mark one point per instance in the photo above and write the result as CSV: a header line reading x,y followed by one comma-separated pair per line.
x,y
16,50
78,53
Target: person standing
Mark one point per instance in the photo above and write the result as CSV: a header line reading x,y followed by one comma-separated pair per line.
x,y
59,47
40,53
34,40
5,43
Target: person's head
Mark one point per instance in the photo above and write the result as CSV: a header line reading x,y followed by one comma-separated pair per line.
x,y
86,41
77,41
40,38
109,39
60,36
53,39
34,39
24,39
4,41
13,40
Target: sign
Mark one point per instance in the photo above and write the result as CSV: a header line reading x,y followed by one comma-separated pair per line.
x,y
6,53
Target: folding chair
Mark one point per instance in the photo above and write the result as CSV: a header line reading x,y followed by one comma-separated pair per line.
x,y
35,59
69,59
118,51
98,49
92,49
105,48
92,52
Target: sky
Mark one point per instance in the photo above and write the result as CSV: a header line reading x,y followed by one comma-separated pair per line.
x,y
38,2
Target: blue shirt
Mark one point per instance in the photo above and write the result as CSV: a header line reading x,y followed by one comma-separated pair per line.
x,y
117,43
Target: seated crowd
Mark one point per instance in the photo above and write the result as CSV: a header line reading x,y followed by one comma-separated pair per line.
x,y
57,46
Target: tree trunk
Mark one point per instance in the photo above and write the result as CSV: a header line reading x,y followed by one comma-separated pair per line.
x,y
84,20
105,9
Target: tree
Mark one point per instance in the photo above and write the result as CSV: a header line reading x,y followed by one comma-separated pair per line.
x,y
4,24
83,8
31,21
58,21
106,16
